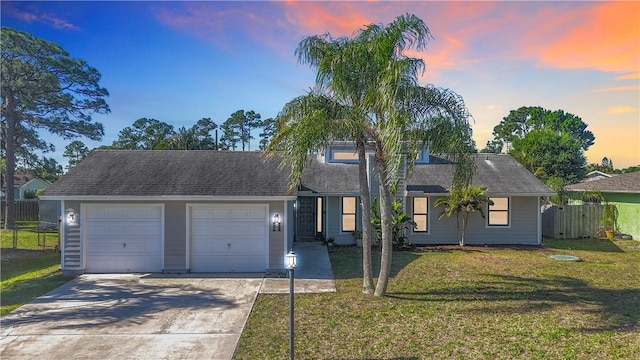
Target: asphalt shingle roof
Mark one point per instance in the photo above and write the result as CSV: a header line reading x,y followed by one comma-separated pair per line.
x,y
223,173
173,173
330,178
627,183
499,173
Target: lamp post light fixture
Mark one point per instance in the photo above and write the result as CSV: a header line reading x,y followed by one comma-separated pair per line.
x,y
292,262
276,222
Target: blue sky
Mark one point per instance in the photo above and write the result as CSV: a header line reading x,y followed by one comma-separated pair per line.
x,y
181,61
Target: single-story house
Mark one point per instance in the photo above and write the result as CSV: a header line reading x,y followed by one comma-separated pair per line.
x,y
218,211
623,190
595,175
24,184
31,186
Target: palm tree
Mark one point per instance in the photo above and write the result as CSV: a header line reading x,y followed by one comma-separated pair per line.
x,y
464,200
308,124
407,116
334,110
367,92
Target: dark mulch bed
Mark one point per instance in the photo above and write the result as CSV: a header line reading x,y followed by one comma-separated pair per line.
x,y
471,248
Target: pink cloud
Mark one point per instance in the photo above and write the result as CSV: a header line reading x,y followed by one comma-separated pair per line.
x,y
618,88
630,76
37,16
621,109
601,36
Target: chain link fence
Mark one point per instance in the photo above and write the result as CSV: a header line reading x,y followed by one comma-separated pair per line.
x,y
32,235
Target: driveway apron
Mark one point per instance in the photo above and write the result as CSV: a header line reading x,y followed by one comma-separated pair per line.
x,y
132,317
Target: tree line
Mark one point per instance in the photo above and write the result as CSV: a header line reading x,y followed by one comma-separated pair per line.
x,y
236,133
551,144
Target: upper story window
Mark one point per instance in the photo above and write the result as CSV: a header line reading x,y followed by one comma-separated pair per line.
x,y
498,212
343,152
420,215
348,214
344,155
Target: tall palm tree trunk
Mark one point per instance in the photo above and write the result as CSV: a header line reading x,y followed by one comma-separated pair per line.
x,y
385,216
365,198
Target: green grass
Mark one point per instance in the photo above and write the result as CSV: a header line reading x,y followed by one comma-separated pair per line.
x,y
27,237
28,272
477,303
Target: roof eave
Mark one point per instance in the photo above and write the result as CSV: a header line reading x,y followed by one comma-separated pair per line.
x,y
166,198
607,191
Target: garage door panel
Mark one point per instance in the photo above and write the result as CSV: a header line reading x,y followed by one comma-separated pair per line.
x,y
115,213
208,246
246,246
138,247
258,230
200,246
257,214
95,229
246,263
94,213
144,230
201,228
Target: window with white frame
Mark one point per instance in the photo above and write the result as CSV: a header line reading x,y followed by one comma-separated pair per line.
x,y
498,212
349,214
420,215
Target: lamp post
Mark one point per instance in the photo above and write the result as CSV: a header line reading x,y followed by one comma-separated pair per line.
x,y
291,265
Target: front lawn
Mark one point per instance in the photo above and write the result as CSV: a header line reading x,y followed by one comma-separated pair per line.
x,y
28,272
476,303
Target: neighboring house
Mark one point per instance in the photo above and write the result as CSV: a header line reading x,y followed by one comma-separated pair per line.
x,y
210,211
595,175
25,183
623,190
31,186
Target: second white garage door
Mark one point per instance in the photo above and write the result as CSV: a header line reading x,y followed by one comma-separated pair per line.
x,y
229,237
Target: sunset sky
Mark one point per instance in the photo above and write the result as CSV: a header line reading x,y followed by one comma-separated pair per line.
x,y
181,61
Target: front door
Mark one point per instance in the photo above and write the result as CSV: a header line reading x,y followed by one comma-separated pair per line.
x,y
306,218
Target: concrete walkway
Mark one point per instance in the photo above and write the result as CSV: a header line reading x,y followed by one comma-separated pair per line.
x,y
313,274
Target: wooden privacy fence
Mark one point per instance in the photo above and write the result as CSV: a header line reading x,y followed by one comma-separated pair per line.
x,y
26,210
571,221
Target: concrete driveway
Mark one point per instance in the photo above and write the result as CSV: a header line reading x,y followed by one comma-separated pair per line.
x,y
132,317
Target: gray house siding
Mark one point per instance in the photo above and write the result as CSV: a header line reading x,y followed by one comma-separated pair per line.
x,y
290,225
334,220
277,238
175,234
71,247
522,229
175,237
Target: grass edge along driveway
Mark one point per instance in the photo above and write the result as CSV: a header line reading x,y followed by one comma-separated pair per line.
x,y
27,274
472,303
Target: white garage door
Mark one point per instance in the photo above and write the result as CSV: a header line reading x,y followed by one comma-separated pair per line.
x,y
229,238
123,238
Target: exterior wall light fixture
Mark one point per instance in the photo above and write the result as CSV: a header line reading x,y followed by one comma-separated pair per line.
x,y
276,222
